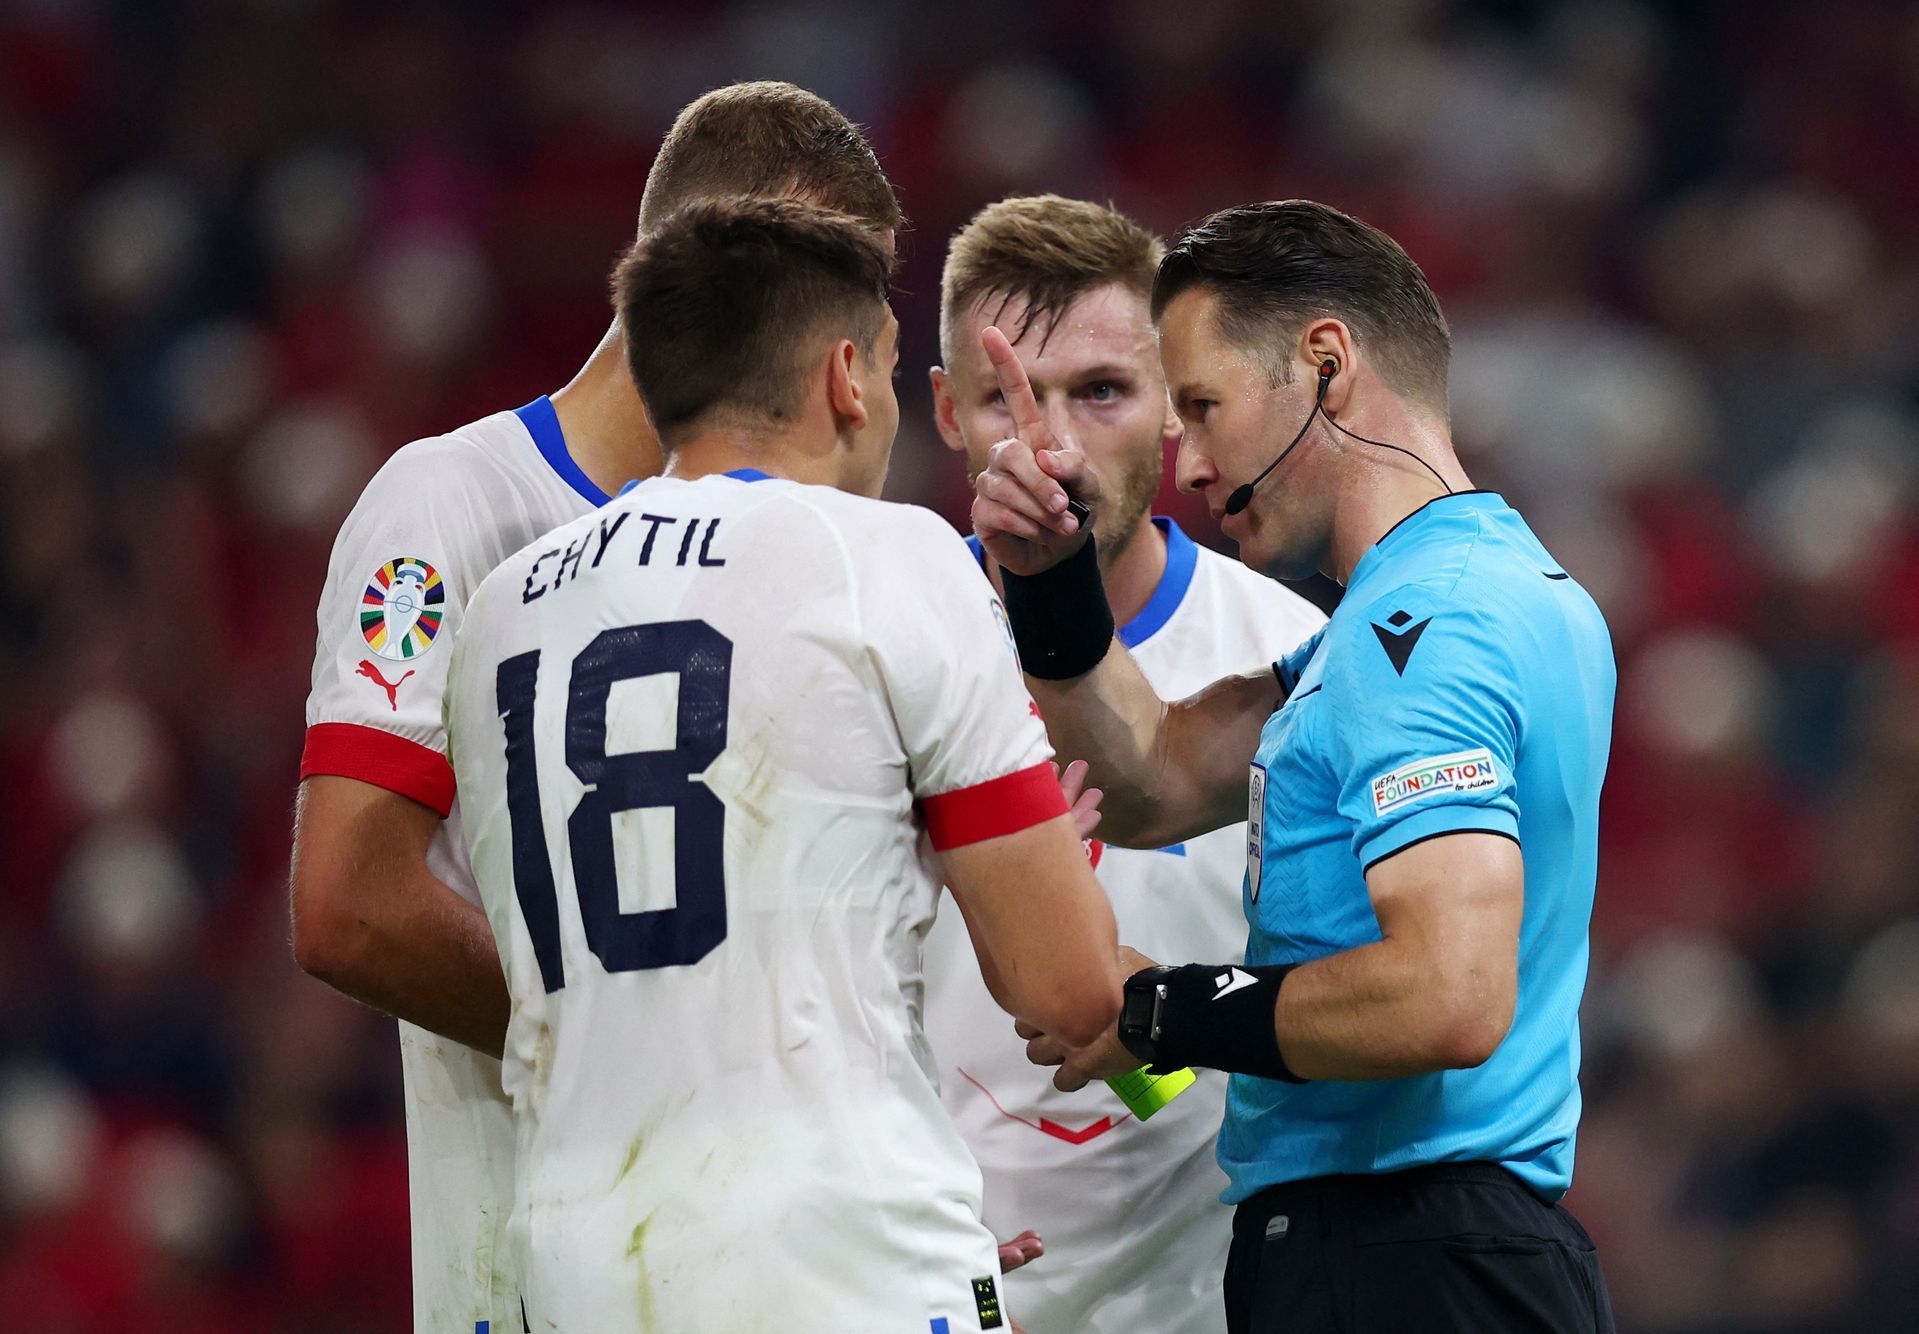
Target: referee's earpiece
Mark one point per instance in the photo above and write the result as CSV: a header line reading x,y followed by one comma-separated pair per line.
x,y
1327,370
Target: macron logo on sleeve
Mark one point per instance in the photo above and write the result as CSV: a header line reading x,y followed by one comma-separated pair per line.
x,y
1233,979
1468,771
1399,642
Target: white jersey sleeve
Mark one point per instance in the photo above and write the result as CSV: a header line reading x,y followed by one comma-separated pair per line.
x,y
403,565
977,753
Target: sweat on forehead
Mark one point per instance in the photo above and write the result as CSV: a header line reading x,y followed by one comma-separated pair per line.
x,y
1107,326
1041,315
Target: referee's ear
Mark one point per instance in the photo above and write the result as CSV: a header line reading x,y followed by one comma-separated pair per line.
x,y
1329,340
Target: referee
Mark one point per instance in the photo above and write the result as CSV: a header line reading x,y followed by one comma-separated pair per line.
x,y
1423,801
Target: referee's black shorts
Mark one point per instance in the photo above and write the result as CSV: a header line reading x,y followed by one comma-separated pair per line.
x,y
1451,1247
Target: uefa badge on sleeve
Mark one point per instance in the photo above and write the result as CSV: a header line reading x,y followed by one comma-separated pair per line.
x,y
402,609
1255,829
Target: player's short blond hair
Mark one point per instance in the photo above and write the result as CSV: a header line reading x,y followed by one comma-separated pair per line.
x,y
1045,251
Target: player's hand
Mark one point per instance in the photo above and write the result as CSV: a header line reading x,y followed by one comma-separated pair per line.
x,y
1023,1249
1104,1058
1020,502
1083,800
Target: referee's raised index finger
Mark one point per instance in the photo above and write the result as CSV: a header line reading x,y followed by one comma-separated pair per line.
x,y
1015,388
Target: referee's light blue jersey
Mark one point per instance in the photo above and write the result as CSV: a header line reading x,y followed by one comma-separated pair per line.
x,y
1464,683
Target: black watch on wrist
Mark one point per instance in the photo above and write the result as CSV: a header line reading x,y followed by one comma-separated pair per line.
x,y
1139,1011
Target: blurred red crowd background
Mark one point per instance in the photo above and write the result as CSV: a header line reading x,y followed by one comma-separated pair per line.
x,y
250,247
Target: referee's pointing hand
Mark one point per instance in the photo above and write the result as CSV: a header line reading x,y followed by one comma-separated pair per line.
x,y
1021,501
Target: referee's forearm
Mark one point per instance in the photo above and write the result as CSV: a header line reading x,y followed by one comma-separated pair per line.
x,y
1169,771
1113,719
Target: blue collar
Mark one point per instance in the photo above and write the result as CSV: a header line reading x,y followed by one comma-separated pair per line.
x,y
1182,558
742,474
543,424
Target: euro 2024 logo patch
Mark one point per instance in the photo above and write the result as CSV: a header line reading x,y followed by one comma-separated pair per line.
x,y
1005,629
402,609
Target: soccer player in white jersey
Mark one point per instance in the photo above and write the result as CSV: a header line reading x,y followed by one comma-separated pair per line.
x,y
384,905
700,736
1071,282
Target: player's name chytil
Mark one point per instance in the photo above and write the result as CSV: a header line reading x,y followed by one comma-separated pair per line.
x,y
562,565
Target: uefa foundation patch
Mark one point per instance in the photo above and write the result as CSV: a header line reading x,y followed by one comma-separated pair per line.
x,y
1468,771
402,609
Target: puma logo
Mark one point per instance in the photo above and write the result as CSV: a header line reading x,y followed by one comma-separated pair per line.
x,y
392,688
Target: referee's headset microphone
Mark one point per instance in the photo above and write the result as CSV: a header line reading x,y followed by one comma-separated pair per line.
x,y
1243,494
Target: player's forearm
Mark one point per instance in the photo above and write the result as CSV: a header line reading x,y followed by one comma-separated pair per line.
x,y
419,952
1387,1011
371,921
423,954
1041,926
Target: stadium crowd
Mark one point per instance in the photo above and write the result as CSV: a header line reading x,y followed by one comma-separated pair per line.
x,y
249,247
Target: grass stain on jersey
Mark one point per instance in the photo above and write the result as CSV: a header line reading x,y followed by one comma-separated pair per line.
x,y
747,785
635,1244
542,1063
632,1156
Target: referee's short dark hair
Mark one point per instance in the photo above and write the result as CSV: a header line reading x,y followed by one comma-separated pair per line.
x,y
722,303
1275,266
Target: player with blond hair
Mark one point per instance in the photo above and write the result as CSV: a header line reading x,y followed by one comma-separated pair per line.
x,y
1070,281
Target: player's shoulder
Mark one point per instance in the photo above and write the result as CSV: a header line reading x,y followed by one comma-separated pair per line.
x,y
867,513
883,534
475,456
514,567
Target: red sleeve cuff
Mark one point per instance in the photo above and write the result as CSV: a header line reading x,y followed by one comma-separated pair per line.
x,y
993,809
351,750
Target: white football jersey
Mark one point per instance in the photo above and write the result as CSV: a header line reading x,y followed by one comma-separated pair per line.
x,y
431,524
1135,1234
705,739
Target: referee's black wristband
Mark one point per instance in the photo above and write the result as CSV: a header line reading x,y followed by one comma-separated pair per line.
x,y
1218,1016
1061,621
